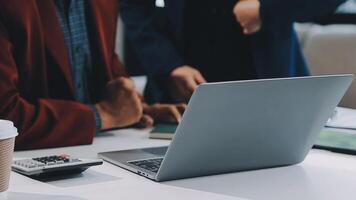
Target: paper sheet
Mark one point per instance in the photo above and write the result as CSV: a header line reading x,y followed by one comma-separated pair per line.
x,y
343,118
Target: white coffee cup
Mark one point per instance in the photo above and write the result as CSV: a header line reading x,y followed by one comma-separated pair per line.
x,y
8,132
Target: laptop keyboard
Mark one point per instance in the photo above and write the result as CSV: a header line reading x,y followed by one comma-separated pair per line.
x,y
149,164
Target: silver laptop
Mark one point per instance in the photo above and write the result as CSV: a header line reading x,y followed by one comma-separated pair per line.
x,y
242,125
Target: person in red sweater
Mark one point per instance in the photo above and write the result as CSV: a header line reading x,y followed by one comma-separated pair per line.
x,y
61,81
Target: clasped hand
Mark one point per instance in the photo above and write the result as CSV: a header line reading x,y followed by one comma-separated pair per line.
x,y
247,13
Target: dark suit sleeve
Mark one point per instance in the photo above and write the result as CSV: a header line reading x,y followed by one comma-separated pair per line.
x,y
156,52
42,123
276,12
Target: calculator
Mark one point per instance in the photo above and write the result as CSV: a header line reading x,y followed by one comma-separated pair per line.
x,y
54,165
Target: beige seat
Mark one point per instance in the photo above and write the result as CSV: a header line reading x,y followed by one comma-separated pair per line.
x,y
331,50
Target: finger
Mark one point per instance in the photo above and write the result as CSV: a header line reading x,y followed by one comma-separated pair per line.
x,y
252,29
239,11
183,93
199,78
246,31
181,108
174,115
190,85
238,17
189,92
235,11
146,121
185,89
256,28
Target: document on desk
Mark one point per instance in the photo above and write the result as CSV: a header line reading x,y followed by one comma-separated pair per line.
x,y
343,118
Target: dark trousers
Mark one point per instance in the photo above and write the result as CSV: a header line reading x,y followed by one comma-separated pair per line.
x,y
215,43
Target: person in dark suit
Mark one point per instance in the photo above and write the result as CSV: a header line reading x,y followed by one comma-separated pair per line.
x,y
61,81
188,42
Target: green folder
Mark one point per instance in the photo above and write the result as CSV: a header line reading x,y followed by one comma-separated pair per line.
x,y
163,131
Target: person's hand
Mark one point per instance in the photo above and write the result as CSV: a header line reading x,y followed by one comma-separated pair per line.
x,y
171,113
161,113
247,13
146,121
183,82
120,105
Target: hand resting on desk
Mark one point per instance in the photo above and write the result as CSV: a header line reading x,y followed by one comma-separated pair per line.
x,y
121,107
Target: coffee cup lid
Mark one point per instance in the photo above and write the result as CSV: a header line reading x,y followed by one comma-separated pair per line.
x,y
7,129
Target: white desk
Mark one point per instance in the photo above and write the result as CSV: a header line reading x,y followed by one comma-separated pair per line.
x,y
323,175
